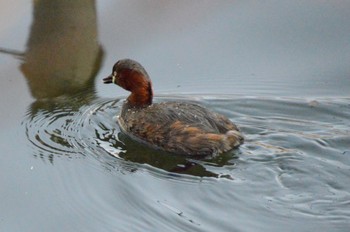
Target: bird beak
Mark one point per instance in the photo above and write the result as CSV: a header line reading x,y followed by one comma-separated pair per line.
x,y
109,79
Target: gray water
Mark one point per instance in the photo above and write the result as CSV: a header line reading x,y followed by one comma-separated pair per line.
x,y
279,70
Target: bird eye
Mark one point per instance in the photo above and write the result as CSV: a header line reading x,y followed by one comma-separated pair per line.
x,y
115,73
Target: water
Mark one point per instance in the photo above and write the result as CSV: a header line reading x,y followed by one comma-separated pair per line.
x,y
293,167
65,165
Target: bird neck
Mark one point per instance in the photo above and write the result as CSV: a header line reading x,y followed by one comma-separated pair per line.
x,y
141,96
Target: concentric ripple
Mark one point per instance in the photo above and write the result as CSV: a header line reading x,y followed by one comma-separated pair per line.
x,y
56,127
52,131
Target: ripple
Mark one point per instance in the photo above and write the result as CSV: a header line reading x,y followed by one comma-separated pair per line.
x,y
278,132
303,146
51,131
62,126
294,163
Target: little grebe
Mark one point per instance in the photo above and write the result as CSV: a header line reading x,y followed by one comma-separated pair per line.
x,y
176,127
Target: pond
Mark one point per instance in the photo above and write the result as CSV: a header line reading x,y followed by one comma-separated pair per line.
x,y
280,70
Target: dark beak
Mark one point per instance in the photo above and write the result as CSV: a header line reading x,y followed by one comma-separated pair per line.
x,y
108,80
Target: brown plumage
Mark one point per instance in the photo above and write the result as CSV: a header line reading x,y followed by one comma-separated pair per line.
x,y
176,127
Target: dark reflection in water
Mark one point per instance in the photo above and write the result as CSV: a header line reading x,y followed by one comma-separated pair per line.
x,y
139,153
63,54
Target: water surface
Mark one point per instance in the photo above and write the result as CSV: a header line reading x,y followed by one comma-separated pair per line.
x,y
293,166
279,70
